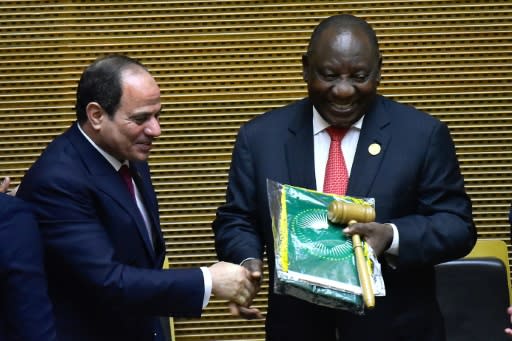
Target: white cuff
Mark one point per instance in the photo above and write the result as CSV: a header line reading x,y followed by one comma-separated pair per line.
x,y
393,248
207,277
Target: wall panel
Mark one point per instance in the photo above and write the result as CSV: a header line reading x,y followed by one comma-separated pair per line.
x,y
220,63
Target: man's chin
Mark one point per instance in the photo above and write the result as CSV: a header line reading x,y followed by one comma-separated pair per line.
x,y
141,152
341,122
144,157
139,156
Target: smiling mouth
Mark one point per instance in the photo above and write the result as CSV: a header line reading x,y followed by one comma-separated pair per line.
x,y
342,107
145,146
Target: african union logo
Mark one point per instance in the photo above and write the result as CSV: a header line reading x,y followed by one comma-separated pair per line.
x,y
319,237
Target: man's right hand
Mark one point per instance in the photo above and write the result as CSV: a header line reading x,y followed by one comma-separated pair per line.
x,y
232,282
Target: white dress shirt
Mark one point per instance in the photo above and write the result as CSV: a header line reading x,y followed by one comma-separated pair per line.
x,y
322,141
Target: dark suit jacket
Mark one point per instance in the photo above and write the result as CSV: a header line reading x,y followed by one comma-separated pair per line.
x,y
104,277
415,181
25,309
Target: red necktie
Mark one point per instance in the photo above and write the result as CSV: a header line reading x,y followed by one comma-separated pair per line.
x,y
124,171
336,174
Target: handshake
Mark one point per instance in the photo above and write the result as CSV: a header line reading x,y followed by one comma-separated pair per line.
x,y
239,285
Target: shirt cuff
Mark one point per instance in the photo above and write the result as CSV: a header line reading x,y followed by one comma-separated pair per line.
x,y
207,277
393,248
245,260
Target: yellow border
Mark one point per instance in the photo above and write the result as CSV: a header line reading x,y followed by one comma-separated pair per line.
x,y
283,231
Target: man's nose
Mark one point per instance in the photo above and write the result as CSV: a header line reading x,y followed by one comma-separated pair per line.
x,y
343,88
153,127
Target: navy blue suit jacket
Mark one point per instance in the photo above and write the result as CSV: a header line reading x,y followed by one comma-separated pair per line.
x,y
25,309
104,277
416,183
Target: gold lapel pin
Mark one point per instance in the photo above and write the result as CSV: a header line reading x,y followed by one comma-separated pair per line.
x,y
374,149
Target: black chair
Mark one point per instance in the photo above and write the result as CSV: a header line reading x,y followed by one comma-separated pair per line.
x,y
474,293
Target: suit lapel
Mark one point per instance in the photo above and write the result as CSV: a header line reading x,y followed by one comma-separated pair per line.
x,y
109,182
143,181
300,148
367,162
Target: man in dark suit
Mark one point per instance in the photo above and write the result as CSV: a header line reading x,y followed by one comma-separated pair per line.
x,y
101,229
403,158
25,309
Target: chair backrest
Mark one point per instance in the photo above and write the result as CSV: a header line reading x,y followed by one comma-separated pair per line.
x,y
493,248
474,293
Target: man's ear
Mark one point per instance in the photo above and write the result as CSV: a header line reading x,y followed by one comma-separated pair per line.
x,y
95,115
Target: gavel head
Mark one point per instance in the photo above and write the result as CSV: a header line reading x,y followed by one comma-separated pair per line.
x,y
342,212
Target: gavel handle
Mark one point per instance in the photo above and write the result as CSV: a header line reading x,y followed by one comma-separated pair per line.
x,y
362,270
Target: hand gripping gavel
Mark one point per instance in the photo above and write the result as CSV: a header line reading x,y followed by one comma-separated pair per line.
x,y
350,213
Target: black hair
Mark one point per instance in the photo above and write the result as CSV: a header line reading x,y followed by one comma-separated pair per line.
x,y
101,83
343,22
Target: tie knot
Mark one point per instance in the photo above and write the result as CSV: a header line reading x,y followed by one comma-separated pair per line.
x,y
336,134
125,172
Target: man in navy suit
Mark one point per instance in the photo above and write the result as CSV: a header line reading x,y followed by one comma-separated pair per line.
x,y
101,229
403,158
25,309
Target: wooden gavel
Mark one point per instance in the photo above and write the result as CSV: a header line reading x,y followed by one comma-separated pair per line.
x,y
350,213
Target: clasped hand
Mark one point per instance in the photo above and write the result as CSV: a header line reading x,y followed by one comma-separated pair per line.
x,y
239,285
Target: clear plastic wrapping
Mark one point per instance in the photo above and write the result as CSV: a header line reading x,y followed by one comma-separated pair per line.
x,y
314,260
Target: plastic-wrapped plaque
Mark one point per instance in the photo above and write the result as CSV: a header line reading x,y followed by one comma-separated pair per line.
x,y
314,260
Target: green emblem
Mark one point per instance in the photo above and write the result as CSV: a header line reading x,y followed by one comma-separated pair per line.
x,y
323,239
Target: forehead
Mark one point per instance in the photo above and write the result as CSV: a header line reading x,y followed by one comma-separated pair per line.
x,y
138,85
140,93
343,38
344,41
136,77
